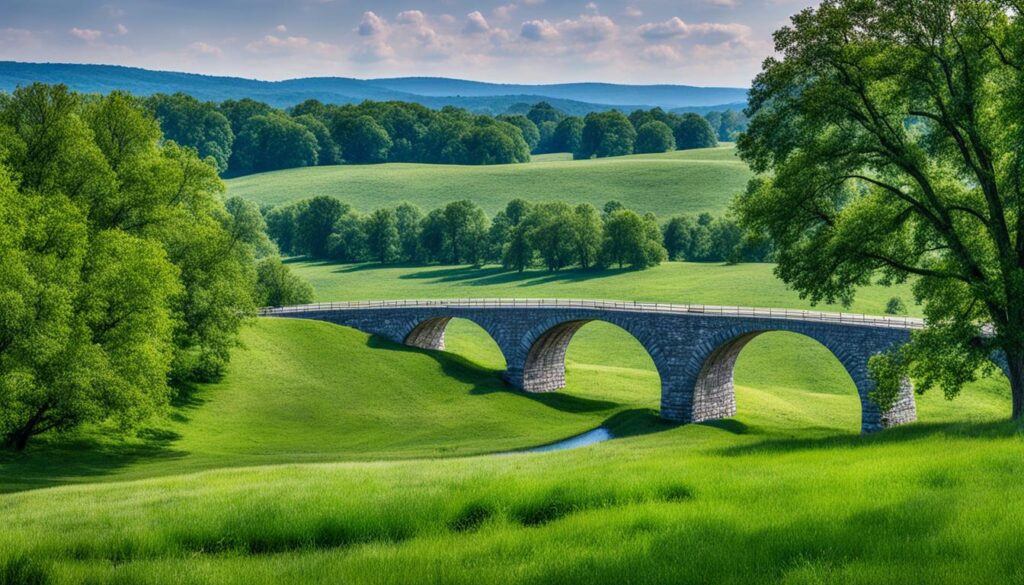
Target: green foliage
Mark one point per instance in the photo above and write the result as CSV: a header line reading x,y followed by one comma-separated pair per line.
x,y
348,241
588,231
552,233
277,286
120,265
382,239
530,131
465,232
631,239
606,134
693,131
568,136
267,143
895,306
314,222
194,124
893,155
655,136
366,142
408,218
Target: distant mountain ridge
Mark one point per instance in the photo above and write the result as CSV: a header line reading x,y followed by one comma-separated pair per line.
x,y
433,92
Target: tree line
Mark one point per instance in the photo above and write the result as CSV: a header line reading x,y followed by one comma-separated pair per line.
x,y
123,271
247,136
555,235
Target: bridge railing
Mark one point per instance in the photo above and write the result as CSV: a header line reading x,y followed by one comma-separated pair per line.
x,y
713,310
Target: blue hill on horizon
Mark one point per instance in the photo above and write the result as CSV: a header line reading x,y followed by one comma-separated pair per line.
x,y
433,92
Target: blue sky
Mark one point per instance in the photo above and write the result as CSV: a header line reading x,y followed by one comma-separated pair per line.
x,y
695,42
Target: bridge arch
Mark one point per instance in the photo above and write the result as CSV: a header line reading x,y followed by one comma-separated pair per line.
x,y
543,351
431,333
714,392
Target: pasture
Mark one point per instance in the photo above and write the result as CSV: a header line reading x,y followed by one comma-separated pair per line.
x,y
685,181
328,455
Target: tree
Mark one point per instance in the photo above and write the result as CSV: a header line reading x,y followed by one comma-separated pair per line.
x,y
282,226
119,269
888,136
348,241
498,237
588,234
678,237
367,142
543,112
408,218
493,143
629,239
465,232
277,286
606,134
272,142
655,137
529,130
519,253
314,224
568,135
195,124
694,131
327,151
248,226
727,240
552,234
432,236
382,241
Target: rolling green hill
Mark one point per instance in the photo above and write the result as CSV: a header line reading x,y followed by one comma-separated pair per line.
x,y
329,455
688,181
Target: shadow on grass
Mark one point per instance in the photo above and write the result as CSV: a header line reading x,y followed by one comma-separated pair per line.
x,y
58,461
496,275
901,434
487,381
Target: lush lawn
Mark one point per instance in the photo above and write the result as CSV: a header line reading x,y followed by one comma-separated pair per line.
x,y
327,456
749,285
691,181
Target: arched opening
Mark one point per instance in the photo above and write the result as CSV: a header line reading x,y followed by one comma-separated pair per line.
x,y
594,360
460,337
778,379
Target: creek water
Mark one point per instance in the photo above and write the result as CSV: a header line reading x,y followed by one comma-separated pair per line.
x,y
588,438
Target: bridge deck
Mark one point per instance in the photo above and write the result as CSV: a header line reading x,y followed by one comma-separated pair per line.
x,y
631,306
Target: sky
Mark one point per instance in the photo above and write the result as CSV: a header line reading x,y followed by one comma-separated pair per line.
x,y
692,42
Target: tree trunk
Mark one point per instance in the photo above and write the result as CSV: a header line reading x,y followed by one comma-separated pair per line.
x,y
1015,363
18,439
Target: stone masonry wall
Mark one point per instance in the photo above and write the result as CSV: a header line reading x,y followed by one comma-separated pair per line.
x,y
695,354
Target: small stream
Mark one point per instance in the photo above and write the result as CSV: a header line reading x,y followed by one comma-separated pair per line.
x,y
597,435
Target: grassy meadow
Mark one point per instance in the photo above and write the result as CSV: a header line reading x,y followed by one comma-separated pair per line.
x,y
326,455
685,181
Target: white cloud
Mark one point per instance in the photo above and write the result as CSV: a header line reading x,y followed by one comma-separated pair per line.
x,y
86,34
538,30
723,3
120,29
372,52
634,12
592,7
703,33
661,54
533,2
415,17
505,12
203,48
281,28
371,25
588,28
271,43
476,24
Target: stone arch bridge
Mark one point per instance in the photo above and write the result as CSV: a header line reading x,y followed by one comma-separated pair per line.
x,y
694,347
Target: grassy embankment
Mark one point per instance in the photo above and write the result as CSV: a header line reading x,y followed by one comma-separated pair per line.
x,y
688,181
787,491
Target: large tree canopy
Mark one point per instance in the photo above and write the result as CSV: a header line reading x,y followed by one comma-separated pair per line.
x,y
889,135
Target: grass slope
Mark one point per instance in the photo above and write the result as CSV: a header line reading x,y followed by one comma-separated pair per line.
x,y
329,456
690,181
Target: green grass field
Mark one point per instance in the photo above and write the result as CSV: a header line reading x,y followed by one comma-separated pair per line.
x,y
329,456
688,181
